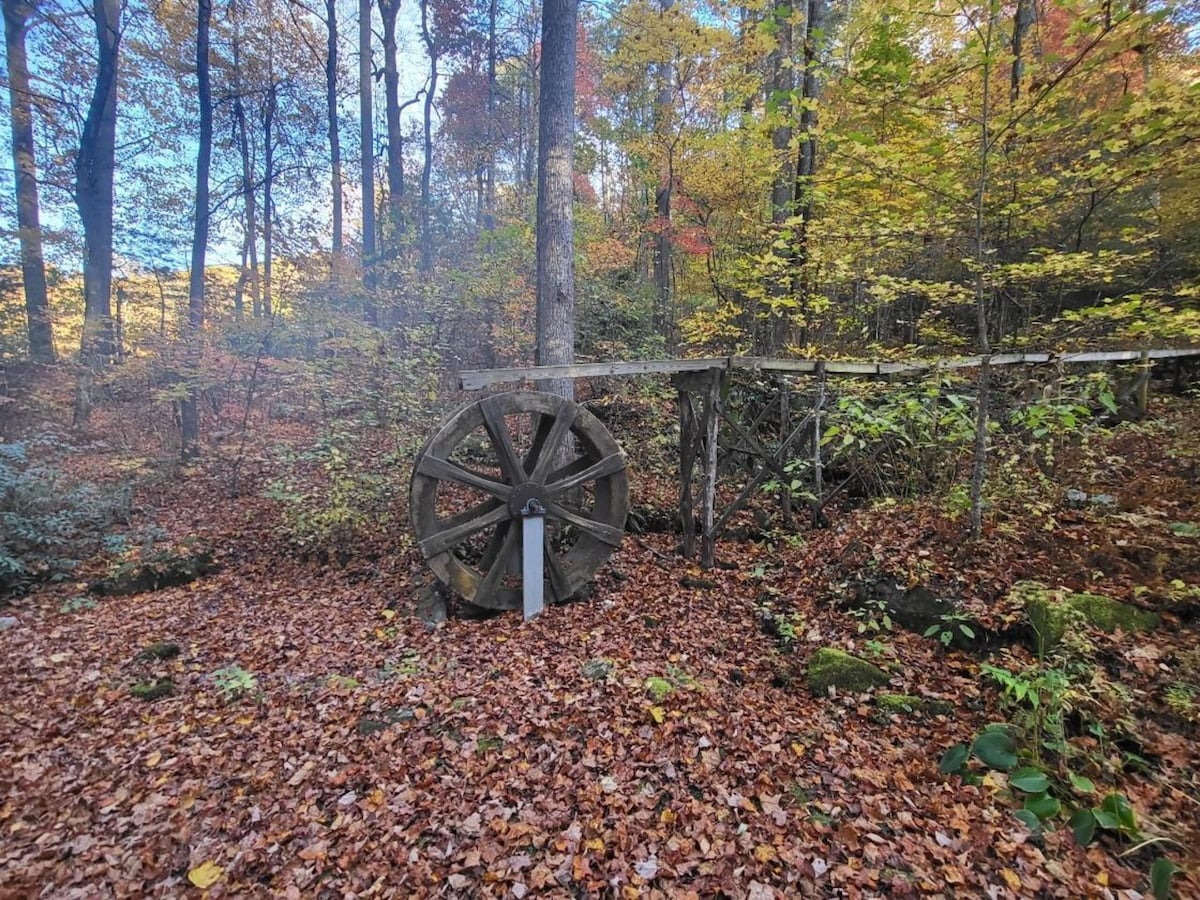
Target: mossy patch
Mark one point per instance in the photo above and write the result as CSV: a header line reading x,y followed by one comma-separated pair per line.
x,y
830,667
153,690
907,704
1050,613
158,651
659,688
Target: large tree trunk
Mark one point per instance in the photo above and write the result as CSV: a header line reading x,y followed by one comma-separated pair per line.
x,y
555,223
94,166
189,409
33,269
335,147
367,156
395,135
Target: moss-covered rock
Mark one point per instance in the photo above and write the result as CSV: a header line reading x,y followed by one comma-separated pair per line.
x,y
1050,612
830,667
903,704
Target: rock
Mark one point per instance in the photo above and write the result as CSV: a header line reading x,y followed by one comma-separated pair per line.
x,y
597,669
1050,612
432,608
915,609
830,667
7,622
162,569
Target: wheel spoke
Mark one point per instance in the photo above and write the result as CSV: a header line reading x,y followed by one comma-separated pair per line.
x,y
470,515
445,470
600,530
610,465
445,538
491,581
560,584
493,421
544,452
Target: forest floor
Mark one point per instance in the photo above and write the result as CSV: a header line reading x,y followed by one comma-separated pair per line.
x,y
321,741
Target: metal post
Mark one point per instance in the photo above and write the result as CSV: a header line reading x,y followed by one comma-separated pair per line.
x,y
532,531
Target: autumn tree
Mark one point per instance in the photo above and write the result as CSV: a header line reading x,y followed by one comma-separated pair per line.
x,y
17,14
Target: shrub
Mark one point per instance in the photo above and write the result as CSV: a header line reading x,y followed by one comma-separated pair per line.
x,y
47,523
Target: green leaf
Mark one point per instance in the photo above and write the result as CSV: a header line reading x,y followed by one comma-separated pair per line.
x,y
967,631
953,759
996,750
1104,818
1030,780
1161,874
1083,826
1043,805
1081,784
1029,820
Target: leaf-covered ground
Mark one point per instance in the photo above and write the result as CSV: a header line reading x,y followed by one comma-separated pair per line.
x,y
373,756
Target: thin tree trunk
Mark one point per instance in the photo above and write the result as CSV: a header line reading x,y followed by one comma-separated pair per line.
x,y
806,161
33,268
189,409
489,197
662,196
388,10
431,50
268,190
979,456
249,194
783,189
335,147
367,156
94,166
555,218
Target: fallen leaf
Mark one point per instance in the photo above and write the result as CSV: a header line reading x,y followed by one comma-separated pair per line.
x,y
205,875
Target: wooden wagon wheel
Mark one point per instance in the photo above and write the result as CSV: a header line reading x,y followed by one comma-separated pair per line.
x,y
483,466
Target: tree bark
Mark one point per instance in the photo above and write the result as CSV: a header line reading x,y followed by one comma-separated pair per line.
x,y
189,408
33,268
335,146
779,89
367,156
388,10
431,50
249,192
489,193
94,166
268,191
662,195
806,161
555,173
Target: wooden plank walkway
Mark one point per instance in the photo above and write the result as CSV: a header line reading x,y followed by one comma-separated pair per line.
x,y
476,379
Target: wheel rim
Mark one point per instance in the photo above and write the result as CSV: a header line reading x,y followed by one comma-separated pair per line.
x,y
472,477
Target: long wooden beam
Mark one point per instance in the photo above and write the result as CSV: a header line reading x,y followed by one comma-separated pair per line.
x,y
475,379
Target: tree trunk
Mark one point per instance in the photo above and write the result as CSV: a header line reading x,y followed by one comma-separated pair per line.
x,y
33,269
489,195
779,90
806,161
268,190
367,156
189,409
431,50
555,223
94,166
249,193
664,320
395,136
335,147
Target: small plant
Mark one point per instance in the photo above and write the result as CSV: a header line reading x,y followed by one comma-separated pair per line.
x,y
77,604
659,688
153,690
342,682
234,681
1184,701
873,617
949,626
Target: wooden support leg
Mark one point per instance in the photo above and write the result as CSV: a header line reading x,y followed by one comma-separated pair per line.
x,y
687,466
785,426
712,409
819,519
